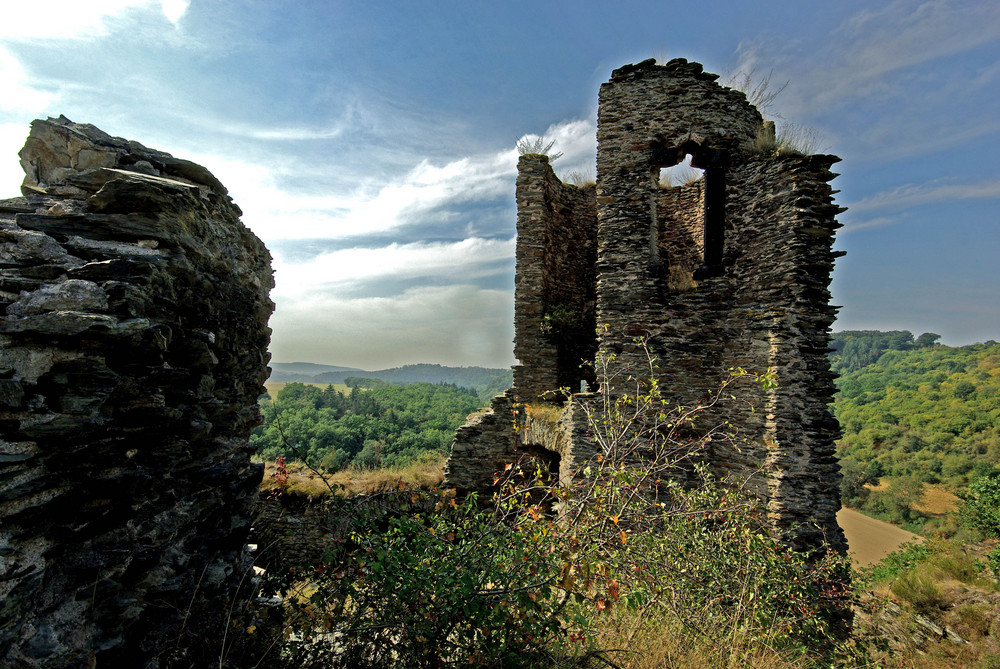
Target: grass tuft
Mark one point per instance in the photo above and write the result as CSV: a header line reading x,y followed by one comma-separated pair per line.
x,y
791,140
579,179
533,145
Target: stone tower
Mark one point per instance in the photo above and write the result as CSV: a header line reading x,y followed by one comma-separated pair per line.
x,y
728,271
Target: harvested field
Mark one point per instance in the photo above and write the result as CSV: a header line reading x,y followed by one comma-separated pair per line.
x,y
870,540
273,387
937,501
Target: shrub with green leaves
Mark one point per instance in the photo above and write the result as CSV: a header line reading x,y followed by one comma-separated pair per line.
x,y
904,558
982,505
425,579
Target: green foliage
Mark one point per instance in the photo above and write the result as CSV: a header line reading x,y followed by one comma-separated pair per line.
x,y
364,382
468,377
423,579
981,509
855,349
920,590
387,425
993,560
497,386
929,412
431,582
855,477
917,574
903,559
897,502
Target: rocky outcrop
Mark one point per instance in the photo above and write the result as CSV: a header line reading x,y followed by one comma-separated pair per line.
x,y
133,348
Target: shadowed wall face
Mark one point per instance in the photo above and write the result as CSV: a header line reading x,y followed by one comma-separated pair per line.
x,y
133,348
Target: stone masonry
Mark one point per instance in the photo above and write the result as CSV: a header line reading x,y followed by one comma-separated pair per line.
x,y
133,348
729,271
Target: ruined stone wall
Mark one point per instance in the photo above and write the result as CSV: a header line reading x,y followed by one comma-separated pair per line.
x,y
650,117
483,446
680,217
133,348
754,298
554,298
782,224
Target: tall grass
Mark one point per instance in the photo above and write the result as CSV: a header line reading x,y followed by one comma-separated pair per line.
x,y
791,140
421,474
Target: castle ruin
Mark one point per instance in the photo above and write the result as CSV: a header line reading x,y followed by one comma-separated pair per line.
x,y
729,271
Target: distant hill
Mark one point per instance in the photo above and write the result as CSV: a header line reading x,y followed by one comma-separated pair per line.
x,y
914,410
308,368
480,379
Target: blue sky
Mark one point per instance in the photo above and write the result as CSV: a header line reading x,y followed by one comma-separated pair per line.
x,y
371,145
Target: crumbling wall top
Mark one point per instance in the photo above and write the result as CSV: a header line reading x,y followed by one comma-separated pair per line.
x,y
656,114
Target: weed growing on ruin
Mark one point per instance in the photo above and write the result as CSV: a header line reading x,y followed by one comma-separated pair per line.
x,y
795,139
580,179
533,145
758,88
642,540
791,140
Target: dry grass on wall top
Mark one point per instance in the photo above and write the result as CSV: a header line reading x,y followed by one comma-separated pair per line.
x,y
791,140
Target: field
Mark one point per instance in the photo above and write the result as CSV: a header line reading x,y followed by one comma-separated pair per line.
x,y
274,387
423,475
937,500
869,540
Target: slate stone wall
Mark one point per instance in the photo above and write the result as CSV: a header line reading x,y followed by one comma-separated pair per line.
x,y
555,283
763,304
483,446
133,348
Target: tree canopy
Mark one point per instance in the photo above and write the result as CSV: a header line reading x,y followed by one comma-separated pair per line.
x,y
382,426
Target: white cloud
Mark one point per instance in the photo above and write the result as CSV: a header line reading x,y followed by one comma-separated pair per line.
x,y
912,195
874,53
274,212
12,136
19,95
74,19
174,9
454,325
459,261
879,222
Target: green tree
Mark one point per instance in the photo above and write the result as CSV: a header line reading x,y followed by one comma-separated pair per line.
x,y
927,339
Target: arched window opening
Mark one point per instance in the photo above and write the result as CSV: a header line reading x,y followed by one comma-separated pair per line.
x,y
681,174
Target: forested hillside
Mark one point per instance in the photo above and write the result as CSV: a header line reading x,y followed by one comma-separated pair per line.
x,y
913,411
384,426
484,380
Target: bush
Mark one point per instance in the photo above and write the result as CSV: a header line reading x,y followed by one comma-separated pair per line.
x,y
993,560
532,579
982,505
903,559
